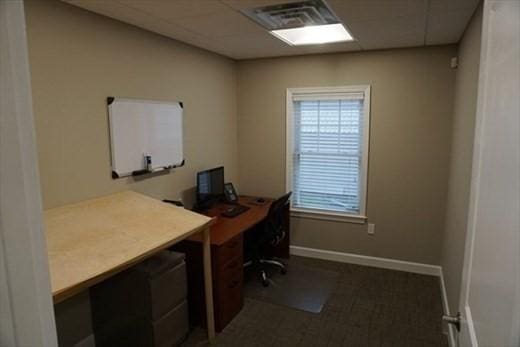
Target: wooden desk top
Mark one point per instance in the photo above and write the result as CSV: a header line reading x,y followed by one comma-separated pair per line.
x,y
223,229
92,240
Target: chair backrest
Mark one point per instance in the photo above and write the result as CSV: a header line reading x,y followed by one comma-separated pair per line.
x,y
275,218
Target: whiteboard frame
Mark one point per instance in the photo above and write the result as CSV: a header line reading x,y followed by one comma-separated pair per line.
x,y
115,175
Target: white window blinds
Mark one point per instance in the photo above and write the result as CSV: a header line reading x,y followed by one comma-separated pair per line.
x,y
328,149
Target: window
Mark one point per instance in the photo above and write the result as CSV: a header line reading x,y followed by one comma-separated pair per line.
x,y
327,151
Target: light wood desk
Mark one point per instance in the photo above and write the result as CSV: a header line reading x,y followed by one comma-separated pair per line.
x,y
92,240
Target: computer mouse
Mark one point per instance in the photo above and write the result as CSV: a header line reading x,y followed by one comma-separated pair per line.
x,y
260,200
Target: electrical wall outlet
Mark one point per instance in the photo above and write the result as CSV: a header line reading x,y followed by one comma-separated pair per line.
x,y
371,229
454,62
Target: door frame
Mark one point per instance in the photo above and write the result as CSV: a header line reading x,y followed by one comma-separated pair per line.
x,y
468,332
26,307
475,181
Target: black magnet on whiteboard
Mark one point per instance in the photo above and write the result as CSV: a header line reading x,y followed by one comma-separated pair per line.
x,y
181,164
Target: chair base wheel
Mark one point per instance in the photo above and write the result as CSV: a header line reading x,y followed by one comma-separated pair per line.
x,y
265,282
283,271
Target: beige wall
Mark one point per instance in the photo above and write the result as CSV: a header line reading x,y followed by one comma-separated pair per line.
x,y
464,113
411,118
78,59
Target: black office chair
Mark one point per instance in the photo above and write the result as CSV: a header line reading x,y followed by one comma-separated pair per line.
x,y
261,242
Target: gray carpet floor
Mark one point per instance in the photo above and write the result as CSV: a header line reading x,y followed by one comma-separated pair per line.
x,y
368,307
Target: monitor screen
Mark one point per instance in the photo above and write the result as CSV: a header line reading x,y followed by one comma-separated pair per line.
x,y
210,184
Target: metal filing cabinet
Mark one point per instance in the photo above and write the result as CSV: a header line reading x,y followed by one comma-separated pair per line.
x,y
143,306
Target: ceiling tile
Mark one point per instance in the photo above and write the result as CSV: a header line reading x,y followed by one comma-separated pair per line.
x,y
379,24
110,9
389,33
443,6
172,9
446,27
330,48
369,10
140,19
251,46
223,23
261,45
447,20
246,4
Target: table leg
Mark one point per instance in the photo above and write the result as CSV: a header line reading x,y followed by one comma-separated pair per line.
x,y
208,284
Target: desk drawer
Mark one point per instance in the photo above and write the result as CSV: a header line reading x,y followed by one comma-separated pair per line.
x,y
230,268
167,290
171,329
229,299
228,274
229,250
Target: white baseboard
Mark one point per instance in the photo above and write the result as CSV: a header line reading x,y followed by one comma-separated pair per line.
x,y
446,306
88,341
385,263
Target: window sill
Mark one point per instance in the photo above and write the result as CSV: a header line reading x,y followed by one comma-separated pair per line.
x,y
328,216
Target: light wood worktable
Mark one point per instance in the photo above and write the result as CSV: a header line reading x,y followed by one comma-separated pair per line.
x,y
92,240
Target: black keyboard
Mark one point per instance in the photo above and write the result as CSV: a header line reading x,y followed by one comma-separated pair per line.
x,y
234,211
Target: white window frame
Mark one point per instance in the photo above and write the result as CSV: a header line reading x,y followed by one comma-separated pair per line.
x,y
323,214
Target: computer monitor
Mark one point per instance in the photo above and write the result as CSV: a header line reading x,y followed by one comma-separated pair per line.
x,y
210,186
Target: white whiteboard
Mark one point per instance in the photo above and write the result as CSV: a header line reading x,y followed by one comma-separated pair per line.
x,y
143,127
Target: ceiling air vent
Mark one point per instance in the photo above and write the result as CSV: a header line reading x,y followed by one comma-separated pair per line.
x,y
292,15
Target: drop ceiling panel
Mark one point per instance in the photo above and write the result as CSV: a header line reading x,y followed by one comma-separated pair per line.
x,y
443,6
173,9
446,28
244,4
259,46
218,25
251,46
140,19
222,23
333,47
447,20
370,10
389,32
379,24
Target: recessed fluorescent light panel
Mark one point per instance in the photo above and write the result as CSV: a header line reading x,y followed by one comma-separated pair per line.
x,y
314,35
307,22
